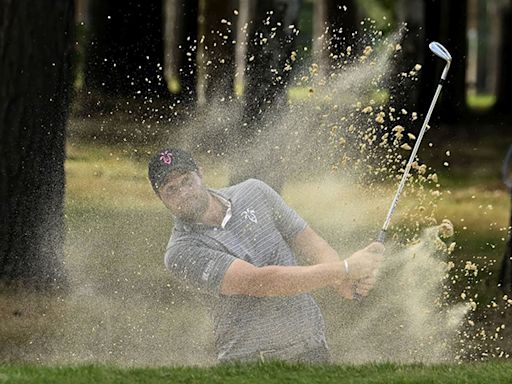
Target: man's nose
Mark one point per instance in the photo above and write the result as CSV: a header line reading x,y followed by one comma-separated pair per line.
x,y
185,193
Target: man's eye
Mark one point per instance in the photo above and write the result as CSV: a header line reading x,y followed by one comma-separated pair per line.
x,y
171,190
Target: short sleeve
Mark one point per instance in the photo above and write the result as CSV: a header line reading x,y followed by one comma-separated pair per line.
x,y
288,222
198,265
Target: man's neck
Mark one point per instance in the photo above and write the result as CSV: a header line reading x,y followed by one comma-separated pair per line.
x,y
215,213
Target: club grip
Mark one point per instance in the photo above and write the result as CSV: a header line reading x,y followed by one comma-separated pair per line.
x,y
381,238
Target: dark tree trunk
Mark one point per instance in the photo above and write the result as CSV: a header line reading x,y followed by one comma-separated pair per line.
x,y
269,47
483,50
431,66
405,93
453,36
423,26
437,25
125,55
343,16
180,39
321,35
338,21
217,50
503,94
35,55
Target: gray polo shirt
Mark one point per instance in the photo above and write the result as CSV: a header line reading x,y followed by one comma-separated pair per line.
x,y
259,232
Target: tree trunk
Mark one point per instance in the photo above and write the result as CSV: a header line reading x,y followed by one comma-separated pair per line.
x,y
453,36
483,48
242,39
270,43
495,32
269,49
321,36
180,37
125,55
431,66
503,94
35,57
217,51
344,17
335,23
405,93
437,25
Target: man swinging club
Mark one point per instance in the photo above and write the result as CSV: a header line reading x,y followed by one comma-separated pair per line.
x,y
237,247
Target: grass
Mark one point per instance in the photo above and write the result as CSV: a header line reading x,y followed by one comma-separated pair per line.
x,y
259,373
481,101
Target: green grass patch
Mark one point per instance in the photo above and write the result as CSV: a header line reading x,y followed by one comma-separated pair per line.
x,y
490,372
480,101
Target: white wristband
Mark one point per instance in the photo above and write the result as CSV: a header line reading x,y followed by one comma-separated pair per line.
x,y
345,262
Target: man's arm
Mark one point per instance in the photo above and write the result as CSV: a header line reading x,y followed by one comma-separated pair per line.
x,y
311,247
243,278
315,250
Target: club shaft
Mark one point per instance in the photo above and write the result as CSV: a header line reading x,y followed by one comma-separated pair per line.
x,y
382,234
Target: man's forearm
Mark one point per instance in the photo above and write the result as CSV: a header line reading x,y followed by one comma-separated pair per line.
x,y
291,280
243,278
313,248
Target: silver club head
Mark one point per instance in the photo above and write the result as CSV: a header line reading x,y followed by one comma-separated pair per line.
x,y
440,51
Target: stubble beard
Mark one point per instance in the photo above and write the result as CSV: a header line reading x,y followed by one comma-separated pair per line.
x,y
194,212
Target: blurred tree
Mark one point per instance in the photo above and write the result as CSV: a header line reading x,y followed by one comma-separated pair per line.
x,y
441,26
483,46
494,35
217,50
180,38
334,27
271,33
125,55
343,17
270,44
411,17
427,21
503,96
35,55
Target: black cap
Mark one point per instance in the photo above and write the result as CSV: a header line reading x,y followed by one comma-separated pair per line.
x,y
167,160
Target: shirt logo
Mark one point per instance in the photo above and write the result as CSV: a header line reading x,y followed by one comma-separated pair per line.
x,y
249,214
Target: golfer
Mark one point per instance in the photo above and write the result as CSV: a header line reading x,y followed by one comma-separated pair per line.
x,y
237,247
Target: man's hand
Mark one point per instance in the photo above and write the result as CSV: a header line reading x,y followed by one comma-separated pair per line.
x,y
362,287
363,266
346,289
365,263
349,289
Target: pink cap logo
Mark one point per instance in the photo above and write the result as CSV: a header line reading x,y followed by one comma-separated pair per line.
x,y
166,157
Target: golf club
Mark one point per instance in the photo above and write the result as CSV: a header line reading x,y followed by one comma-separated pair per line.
x,y
443,53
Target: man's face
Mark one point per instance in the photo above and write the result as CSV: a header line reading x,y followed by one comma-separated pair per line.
x,y
185,195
